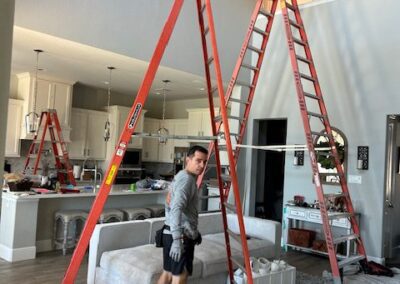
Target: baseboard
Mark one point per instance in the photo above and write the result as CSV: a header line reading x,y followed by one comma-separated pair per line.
x,y
17,254
44,245
379,260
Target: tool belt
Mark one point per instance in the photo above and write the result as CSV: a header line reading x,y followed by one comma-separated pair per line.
x,y
160,234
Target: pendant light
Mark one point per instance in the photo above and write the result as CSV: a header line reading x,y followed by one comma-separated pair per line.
x,y
32,118
107,125
162,131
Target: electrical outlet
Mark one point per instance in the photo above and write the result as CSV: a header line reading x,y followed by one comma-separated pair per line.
x,y
355,179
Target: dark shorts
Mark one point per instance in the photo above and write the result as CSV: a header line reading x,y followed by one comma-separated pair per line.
x,y
186,261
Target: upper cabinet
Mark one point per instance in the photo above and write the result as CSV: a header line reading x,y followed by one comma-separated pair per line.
x,y
87,140
51,94
150,147
13,128
200,121
117,116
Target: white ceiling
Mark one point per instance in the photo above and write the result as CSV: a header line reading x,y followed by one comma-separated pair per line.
x,y
76,62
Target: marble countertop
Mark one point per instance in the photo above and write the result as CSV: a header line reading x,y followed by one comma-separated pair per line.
x,y
117,189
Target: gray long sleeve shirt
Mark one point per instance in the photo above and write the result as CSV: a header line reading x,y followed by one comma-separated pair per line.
x,y
181,203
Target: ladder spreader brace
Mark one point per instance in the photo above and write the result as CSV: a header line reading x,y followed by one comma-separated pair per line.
x,y
228,179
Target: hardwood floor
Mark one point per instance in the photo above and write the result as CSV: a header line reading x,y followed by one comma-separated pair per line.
x,y
49,268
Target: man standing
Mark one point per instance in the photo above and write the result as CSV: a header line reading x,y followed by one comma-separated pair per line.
x,y
181,219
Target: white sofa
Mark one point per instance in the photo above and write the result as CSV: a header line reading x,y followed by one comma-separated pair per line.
x,y
125,252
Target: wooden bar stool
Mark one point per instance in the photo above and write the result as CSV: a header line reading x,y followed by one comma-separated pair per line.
x,y
69,220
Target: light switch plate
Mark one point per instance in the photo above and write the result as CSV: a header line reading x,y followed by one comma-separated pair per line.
x,y
355,179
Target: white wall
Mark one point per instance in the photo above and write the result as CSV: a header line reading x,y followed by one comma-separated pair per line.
x,y
355,46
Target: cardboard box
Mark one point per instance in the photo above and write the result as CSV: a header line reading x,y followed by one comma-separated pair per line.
x,y
286,276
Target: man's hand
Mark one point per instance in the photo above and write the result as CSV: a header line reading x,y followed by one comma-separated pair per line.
x,y
176,249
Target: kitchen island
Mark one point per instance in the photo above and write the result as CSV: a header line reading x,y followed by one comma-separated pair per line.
x,y
27,220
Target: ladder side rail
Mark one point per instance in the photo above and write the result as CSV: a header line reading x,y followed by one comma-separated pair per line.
x,y
46,123
327,125
119,152
56,154
228,143
309,139
255,78
32,146
213,146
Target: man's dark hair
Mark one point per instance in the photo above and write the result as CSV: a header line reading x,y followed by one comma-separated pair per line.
x,y
195,148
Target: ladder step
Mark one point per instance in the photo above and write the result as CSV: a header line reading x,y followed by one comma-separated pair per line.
x,y
260,31
334,195
226,177
301,58
210,211
233,100
345,238
230,207
317,133
218,118
265,13
255,49
294,24
254,68
208,196
290,6
311,96
222,134
335,216
206,30
203,8
238,264
244,84
309,78
316,115
235,236
211,59
298,41
350,260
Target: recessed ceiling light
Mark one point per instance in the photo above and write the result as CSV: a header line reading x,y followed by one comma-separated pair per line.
x,y
202,89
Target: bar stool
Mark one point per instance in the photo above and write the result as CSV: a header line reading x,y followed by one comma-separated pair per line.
x,y
136,213
111,215
68,218
157,210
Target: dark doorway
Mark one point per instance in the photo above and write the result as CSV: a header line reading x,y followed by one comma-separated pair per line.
x,y
270,170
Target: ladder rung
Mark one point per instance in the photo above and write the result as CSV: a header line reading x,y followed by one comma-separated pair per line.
x,y
311,96
265,13
334,195
335,216
244,84
221,133
255,49
208,196
345,238
317,133
210,211
298,41
234,236
316,115
238,264
260,31
294,24
213,89
226,177
233,100
218,118
206,30
304,76
301,58
350,260
254,68
290,6
203,8
211,59
32,156
230,207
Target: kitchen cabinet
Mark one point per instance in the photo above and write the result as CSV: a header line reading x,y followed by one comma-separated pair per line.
x,y
199,121
150,147
117,117
153,151
14,118
51,94
87,141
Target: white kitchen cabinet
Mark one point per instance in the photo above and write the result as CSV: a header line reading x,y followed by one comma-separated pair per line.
x,y
87,140
150,147
14,117
51,94
180,128
199,121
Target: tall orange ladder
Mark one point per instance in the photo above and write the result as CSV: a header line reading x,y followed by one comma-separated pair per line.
x,y
205,16
315,116
49,121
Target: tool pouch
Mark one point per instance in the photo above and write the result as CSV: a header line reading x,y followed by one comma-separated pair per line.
x,y
159,237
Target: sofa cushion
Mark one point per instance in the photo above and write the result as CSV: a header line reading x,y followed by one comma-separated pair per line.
x,y
141,264
257,247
